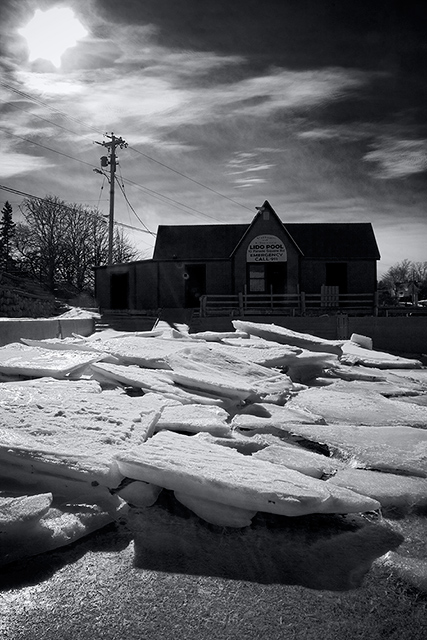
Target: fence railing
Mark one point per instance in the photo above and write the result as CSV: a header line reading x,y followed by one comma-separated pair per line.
x,y
293,304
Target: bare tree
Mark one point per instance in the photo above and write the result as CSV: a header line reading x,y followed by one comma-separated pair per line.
x,y
61,243
405,279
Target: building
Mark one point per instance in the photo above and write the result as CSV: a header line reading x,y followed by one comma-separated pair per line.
x,y
192,263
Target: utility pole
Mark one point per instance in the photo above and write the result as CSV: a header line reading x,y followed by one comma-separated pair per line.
x,y
111,160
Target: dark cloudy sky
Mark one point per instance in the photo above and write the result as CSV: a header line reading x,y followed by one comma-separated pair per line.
x,y
318,106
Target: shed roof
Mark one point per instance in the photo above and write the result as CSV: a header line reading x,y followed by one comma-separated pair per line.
x,y
344,240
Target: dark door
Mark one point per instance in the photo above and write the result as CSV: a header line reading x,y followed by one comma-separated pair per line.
x,y
336,275
195,284
276,276
119,291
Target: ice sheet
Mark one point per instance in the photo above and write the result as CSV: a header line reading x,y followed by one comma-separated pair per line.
x,y
390,489
337,406
20,359
184,463
355,354
286,336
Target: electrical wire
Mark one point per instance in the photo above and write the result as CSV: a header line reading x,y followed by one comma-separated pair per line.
x,y
64,206
162,164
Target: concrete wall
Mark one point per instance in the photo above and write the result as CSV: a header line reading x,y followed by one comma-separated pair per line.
x,y
12,330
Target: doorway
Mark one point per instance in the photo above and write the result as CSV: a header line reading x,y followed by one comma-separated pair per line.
x,y
119,290
336,275
267,277
195,284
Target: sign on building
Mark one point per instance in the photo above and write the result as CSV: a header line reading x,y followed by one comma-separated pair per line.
x,y
266,248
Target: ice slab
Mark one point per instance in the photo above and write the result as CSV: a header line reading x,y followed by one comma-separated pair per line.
x,y
307,462
185,464
222,515
194,418
270,418
56,528
20,359
18,512
145,352
390,489
395,449
151,380
339,406
353,353
46,390
286,336
73,438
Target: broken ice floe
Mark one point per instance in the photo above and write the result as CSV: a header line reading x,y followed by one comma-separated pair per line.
x,y
244,401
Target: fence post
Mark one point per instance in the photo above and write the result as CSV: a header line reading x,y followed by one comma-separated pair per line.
x,y
203,306
302,303
342,326
376,301
241,309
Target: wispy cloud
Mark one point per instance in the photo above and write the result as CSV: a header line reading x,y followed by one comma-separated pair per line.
x,y
398,158
16,163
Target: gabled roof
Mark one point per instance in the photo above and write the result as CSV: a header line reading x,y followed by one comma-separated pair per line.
x,y
339,241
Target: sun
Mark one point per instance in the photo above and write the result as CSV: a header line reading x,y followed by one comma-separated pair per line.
x,y
52,32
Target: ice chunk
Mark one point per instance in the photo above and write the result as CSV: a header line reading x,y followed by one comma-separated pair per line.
x,y
140,494
391,490
353,353
286,336
144,352
151,380
401,449
73,438
216,513
217,336
21,511
368,408
188,465
19,359
386,388
307,462
269,418
56,528
46,390
192,418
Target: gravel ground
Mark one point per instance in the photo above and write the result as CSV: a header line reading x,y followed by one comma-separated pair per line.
x,y
133,581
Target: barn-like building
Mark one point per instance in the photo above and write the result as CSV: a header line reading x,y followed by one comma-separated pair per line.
x,y
266,258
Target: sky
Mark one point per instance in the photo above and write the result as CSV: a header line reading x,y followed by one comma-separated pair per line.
x,y
317,106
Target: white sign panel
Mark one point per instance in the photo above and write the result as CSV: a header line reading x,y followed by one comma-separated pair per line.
x,y
266,248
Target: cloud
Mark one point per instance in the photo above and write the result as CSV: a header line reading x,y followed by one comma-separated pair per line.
x,y
398,158
15,163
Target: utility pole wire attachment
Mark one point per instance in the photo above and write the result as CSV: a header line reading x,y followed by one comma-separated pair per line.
x,y
111,145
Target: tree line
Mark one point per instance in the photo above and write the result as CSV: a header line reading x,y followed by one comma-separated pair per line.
x,y
59,243
404,281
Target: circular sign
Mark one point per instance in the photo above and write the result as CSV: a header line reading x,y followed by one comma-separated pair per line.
x,y
266,248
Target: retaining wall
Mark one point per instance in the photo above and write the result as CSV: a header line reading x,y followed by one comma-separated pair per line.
x,y
15,303
12,330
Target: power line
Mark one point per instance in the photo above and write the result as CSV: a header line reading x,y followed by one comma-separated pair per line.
x,y
63,205
158,162
132,209
183,175
150,191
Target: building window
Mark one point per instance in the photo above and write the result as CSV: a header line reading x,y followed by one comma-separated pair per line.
x,y
256,278
336,275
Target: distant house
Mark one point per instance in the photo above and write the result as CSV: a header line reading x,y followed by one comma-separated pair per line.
x,y
266,256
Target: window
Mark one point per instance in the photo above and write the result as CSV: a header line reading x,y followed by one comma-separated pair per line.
x,y
256,278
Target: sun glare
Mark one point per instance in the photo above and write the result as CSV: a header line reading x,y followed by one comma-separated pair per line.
x,y
52,32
